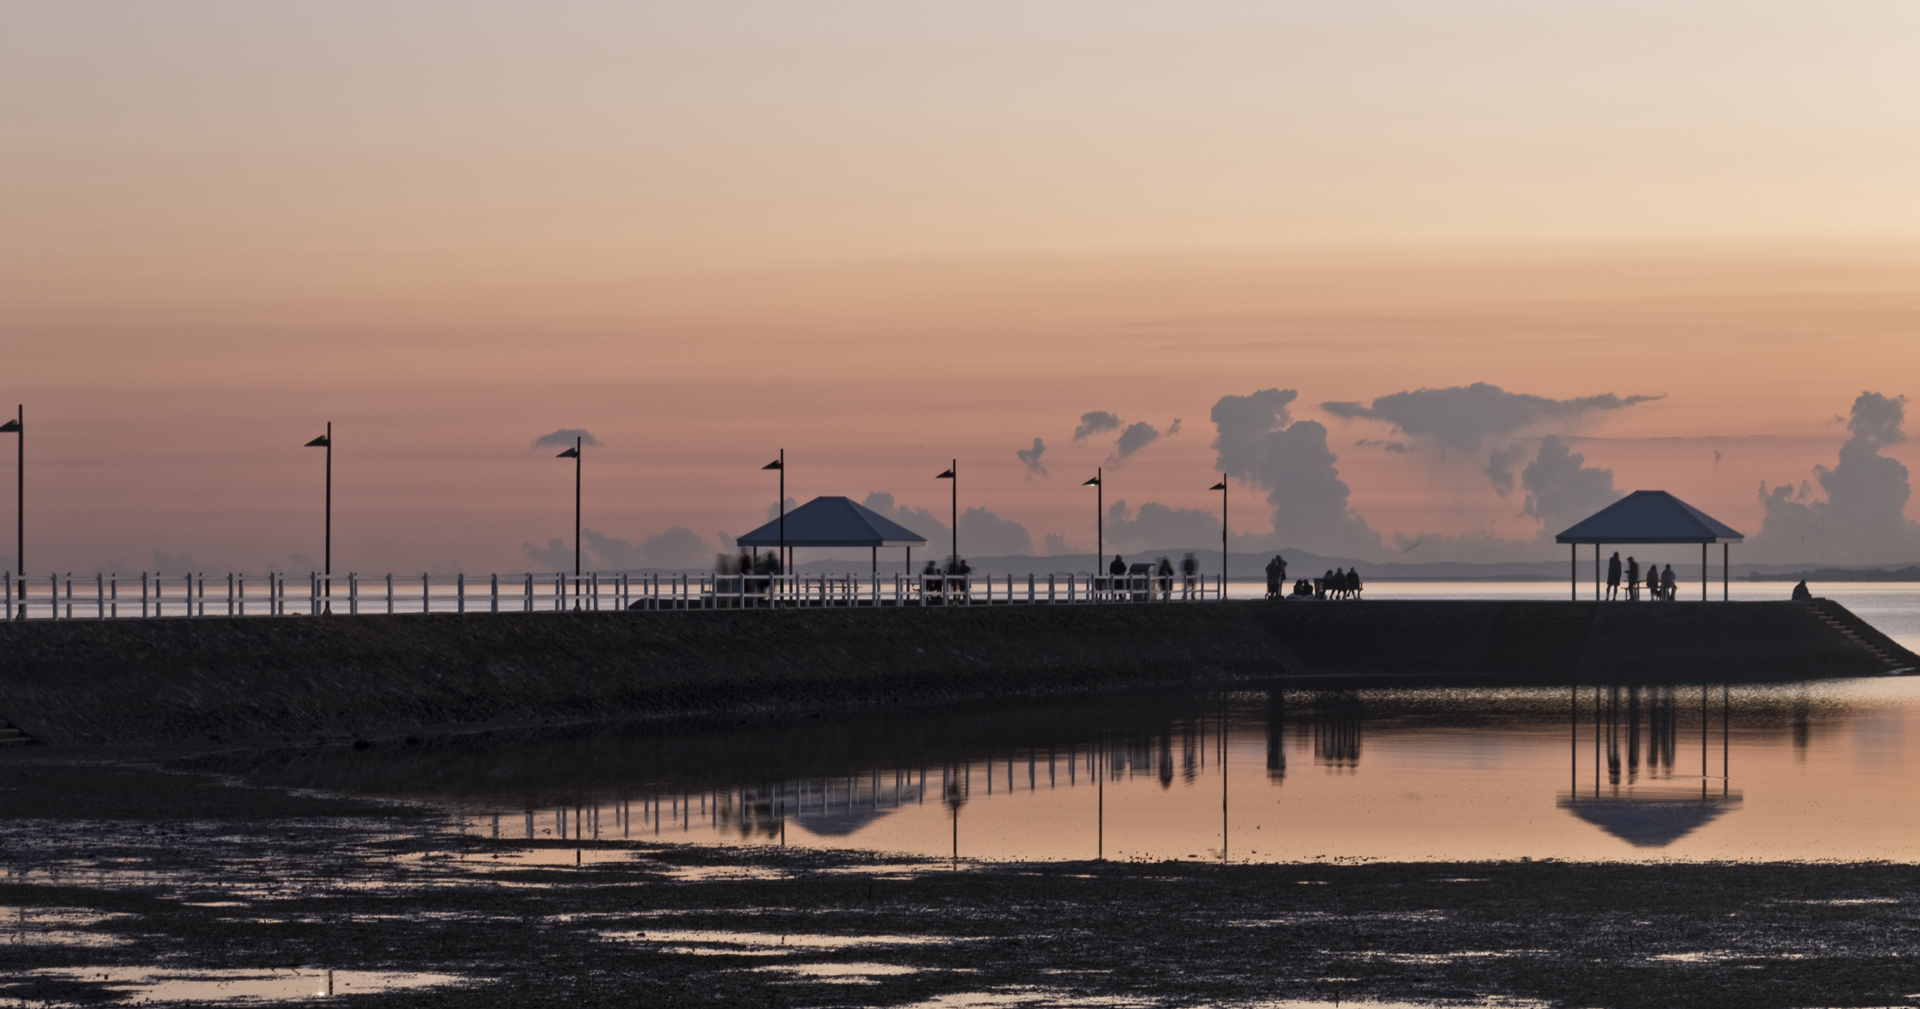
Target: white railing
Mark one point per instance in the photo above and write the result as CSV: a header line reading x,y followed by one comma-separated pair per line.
x,y
152,595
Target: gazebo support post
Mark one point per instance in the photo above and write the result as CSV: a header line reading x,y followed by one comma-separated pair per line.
x,y
1724,578
1596,572
1703,598
1573,569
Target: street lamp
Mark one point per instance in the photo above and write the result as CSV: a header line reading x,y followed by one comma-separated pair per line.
x,y
326,559
17,426
780,464
1222,488
953,469
1099,523
574,454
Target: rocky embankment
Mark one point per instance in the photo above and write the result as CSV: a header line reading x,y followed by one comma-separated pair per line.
x,y
296,678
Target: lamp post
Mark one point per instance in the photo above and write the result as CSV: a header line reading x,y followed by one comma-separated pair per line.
x,y
574,454
953,469
17,426
780,464
326,557
1222,488
1099,523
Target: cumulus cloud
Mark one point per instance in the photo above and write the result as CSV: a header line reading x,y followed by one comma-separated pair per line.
x,y
1095,423
1292,463
1137,436
1057,545
1562,489
1861,519
1159,527
1500,464
919,520
555,556
1396,447
563,438
1463,417
1173,428
677,548
1030,458
167,563
773,510
985,534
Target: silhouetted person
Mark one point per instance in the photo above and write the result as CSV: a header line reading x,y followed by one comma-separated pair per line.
x,y
1653,582
1276,573
1190,568
1165,571
1337,585
1613,575
1801,592
1667,585
1353,583
1325,588
1633,579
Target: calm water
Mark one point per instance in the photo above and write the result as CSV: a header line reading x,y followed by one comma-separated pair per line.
x,y
1263,772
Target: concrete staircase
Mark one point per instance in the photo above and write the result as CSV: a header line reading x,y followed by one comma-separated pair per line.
x,y
1897,660
12,736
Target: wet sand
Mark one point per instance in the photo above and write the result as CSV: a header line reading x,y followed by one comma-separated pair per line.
x,y
123,865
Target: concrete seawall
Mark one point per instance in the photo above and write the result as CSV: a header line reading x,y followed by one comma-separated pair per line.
x,y
159,681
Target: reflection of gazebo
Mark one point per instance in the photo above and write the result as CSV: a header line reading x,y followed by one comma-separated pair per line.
x,y
1650,821
836,522
1649,516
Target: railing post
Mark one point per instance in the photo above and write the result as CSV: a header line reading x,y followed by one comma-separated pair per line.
x,y
493,594
528,598
313,594
460,592
9,595
229,593
113,591
389,592
353,592
426,593
143,595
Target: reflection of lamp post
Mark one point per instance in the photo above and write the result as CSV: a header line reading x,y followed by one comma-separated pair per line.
x,y
1222,488
1099,523
574,454
326,556
17,426
953,563
781,465
955,796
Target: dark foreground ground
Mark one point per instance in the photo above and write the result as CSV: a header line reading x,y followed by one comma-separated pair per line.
x,y
121,876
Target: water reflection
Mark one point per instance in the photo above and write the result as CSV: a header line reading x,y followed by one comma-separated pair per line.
x,y
1653,813
1443,774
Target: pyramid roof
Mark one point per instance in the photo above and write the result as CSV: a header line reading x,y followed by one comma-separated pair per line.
x,y
834,522
1650,516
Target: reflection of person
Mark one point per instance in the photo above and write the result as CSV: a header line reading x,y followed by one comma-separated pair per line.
x,y
1633,579
1801,592
1667,585
1613,576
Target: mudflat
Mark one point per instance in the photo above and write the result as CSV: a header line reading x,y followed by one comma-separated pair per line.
x,y
130,878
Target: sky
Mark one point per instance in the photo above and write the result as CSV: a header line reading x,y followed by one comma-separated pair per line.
x,y
1425,280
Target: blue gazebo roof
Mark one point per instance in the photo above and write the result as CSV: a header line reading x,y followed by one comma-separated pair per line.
x,y
834,522
1650,516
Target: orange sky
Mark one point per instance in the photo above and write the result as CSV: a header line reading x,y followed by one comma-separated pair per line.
x,y
883,238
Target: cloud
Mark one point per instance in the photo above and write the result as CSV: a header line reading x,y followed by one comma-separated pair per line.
x,y
1137,436
985,534
1862,518
1463,417
555,556
1292,463
678,547
1030,457
919,520
1500,466
1094,423
1396,447
773,510
563,438
1057,545
1562,489
1160,527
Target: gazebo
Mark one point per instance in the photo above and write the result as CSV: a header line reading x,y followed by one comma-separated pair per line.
x,y
1649,516
836,522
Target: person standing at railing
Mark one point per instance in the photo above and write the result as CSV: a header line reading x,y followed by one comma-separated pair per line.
x,y
1117,570
1190,569
1165,572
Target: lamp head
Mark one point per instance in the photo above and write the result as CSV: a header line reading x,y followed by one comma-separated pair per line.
x,y
948,475
776,464
10,427
320,442
1092,482
1222,485
572,453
